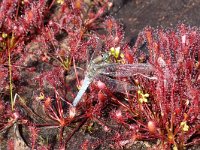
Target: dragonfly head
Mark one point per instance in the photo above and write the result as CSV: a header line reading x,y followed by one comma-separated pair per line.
x,y
105,56
101,58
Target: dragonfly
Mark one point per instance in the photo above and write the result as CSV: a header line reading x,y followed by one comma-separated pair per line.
x,y
100,68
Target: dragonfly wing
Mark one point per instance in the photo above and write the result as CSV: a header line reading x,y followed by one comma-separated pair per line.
x,y
128,70
116,85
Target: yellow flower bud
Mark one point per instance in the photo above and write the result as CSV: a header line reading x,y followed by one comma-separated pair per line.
x,y
4,35
184,126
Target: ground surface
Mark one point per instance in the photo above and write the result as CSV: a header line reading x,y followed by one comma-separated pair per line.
x,y
137,14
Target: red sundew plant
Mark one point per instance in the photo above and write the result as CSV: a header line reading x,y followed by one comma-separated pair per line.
x,y
54,116
8,118
167,108
38,41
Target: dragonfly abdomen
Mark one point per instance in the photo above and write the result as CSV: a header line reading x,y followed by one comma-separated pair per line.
x,y
86,83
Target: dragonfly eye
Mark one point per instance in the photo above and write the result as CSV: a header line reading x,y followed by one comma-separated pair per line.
x,y
105,56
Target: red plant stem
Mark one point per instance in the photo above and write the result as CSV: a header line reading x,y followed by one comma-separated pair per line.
x,y
59,105
53,1
195,142
99,122
8,125
74,64
61,135
148,112
99,13
28,110
161,96
115,99
47,125
17,12
76,129
125,106
54,116
172,106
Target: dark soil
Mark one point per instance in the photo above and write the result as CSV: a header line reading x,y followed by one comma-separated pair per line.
x,y
137,14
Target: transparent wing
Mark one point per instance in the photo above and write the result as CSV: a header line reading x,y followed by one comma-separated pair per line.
x,y
127,70
116,85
